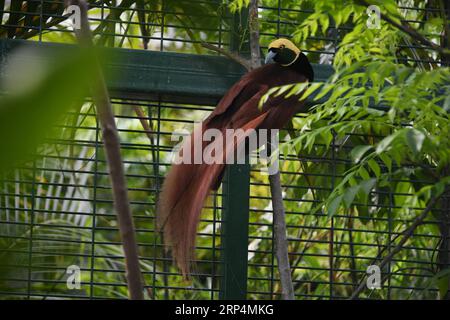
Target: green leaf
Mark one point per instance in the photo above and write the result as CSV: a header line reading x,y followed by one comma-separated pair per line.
x,y
324,22
363,173
367,185
266,96
384,144
357,152
386,160
327,137
363,211
375,167
414,140
446,105
283,89
349,195
333,205
238,5
314,25
312,87
27,118
325,89
443,281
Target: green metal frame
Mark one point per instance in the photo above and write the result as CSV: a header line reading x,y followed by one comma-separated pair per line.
x,y
235,216
169,76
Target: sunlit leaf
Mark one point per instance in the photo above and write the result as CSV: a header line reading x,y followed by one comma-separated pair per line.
x,y
349,195
358,152
334,205
415,139
26,118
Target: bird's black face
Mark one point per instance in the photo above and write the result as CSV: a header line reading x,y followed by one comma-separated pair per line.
x,y
281,55
282,51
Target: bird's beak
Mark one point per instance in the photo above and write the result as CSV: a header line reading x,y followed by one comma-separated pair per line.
x,y
269,57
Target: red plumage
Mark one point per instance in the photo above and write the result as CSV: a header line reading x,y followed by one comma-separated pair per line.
x,y
187,186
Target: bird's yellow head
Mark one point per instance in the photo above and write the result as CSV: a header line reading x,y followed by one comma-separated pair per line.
x,y
282,51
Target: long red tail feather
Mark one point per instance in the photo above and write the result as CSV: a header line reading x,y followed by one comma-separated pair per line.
x,y
183,194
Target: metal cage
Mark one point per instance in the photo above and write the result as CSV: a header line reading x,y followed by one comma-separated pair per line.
x,y
57,211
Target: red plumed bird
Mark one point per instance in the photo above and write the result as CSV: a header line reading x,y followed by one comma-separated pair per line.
x,y
187,186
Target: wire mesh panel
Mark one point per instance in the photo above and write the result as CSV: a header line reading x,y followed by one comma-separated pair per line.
x,y
57,211
330,255
167,25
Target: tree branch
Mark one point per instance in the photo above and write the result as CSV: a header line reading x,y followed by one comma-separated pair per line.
x,y
142,119
406,28
279,222
244,62
281,243
114,158
408,233
255,55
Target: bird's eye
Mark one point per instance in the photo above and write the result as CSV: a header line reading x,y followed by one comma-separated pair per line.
x,y
282,46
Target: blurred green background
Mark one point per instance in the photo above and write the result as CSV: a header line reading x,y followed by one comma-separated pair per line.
x,y
353,177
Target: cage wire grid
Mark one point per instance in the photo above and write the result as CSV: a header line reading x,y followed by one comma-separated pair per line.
x,y
57,210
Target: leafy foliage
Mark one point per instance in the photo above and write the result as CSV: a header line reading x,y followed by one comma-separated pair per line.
x,y
373,94
386,104
26,114
357,168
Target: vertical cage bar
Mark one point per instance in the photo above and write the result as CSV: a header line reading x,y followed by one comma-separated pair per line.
x,y
235,199
272,263
444,226
444,247
389,244
236,193
94,209
31,227
214,234
155,164
158,161
331,247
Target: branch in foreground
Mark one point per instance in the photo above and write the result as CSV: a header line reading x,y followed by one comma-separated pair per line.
x,y
244,62
114,158
255,54
406,235
142,119
279,222
281,243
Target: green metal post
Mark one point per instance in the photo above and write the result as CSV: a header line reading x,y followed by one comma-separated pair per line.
x,y
235,202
